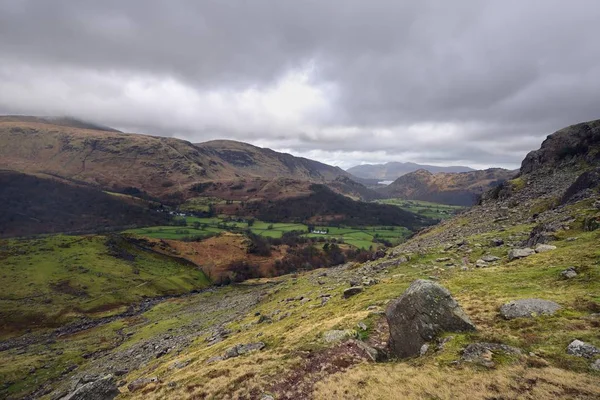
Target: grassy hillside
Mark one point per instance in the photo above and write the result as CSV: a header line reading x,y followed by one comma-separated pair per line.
x,y
55,279
425,208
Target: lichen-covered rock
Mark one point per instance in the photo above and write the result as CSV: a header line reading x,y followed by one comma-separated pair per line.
x,y
482,353
101,389
338,335
582,349
542,248
513,254
490,258
569,273
481,264
425,310
528,308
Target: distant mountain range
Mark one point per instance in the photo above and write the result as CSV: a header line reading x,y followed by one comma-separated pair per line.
x,y
393,170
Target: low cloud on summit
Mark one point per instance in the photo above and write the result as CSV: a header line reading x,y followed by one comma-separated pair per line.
x,y
476,83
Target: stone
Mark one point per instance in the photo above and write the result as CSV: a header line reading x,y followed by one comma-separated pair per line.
x,y
354,290
595,365
424,310
424,349
368,281
569,273
496,242
520,253
241,349
338,335
141,383
481,264
442,259
528,308
362,326
372,353
542,248
582,349
489,258
102,389
483,353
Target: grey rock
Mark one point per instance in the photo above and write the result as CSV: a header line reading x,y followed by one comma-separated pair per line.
x,y
425,310
214,359
528,308
482,353
338,335
362,326
481,264
372,353
569,273
542,248
582,349
424,349
141,383
442,259
595,365
496,242
102,389
352,291
241,349
368,281
489,258
520,253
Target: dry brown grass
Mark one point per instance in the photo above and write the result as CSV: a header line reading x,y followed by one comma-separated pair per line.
x,y
403,381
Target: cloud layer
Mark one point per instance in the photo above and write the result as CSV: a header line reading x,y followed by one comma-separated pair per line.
x,y
342,81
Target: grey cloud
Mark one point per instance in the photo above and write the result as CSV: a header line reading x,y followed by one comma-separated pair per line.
x,y
490,78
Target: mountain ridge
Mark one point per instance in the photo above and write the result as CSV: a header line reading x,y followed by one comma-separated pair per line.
x,y
392,170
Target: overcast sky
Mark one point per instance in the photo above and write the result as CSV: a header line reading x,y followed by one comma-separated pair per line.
x,y
476,83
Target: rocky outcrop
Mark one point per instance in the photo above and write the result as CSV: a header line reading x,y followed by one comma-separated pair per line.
x,y
424,311
338,335
101,389
565,147
528,308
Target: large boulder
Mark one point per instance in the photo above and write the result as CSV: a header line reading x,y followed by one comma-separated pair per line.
x,y
528,308
101,389
425,310
520,253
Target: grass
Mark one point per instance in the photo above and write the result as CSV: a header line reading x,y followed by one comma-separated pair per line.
x,y
57,278
424,208
360,237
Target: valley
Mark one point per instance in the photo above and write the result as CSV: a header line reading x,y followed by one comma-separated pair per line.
x,y
284,292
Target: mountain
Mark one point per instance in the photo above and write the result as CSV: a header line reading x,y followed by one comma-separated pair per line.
x,y
462,188
392,170
160,167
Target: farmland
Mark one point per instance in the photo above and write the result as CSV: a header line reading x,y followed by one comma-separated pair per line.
x,y
424,208
198,228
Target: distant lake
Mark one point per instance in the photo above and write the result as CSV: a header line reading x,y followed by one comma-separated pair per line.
x,y
384,182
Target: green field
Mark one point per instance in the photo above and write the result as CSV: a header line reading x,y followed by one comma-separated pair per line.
x,y
57,278
361,237
424,208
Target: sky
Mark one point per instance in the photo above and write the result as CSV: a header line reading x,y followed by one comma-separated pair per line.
x,y
346,82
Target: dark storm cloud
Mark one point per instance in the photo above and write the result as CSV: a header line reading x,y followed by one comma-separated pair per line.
x,y
345,81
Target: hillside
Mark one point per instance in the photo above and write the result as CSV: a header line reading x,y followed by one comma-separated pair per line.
x,y
161,167
311,336
41,204
393,170
462,189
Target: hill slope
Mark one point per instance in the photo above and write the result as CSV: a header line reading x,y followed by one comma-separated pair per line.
x,y
462,189
160,166
393,170
37,204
